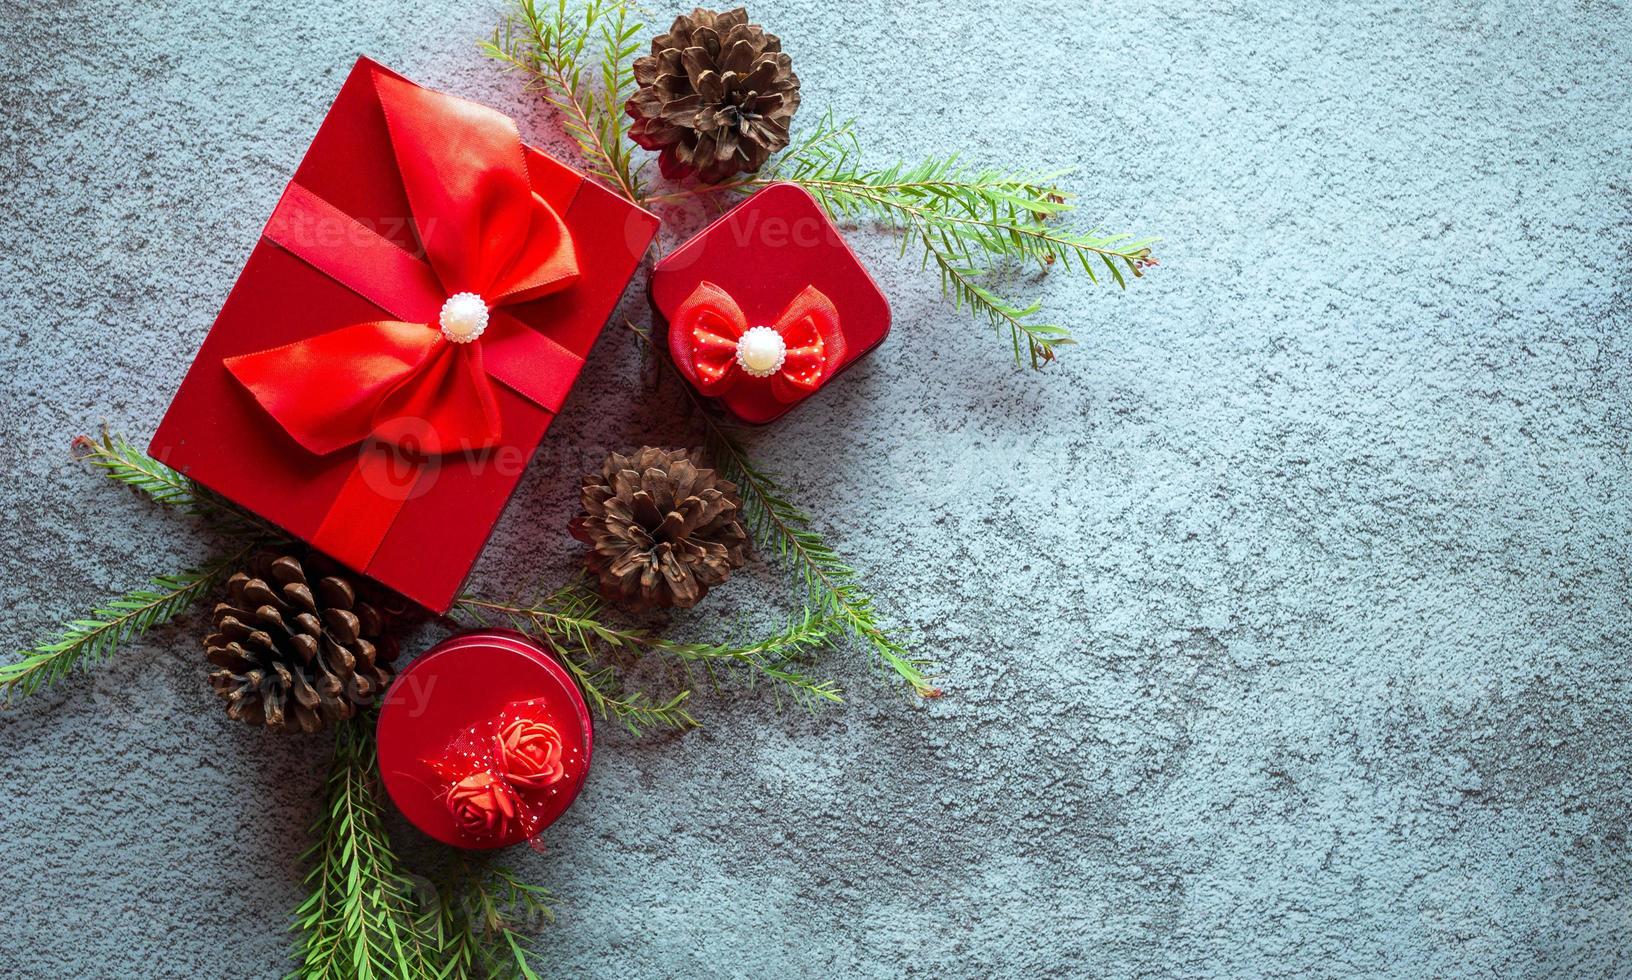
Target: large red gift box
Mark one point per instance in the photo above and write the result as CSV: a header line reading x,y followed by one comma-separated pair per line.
x,y
410,321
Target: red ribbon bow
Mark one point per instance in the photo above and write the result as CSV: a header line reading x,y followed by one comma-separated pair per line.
x,y
484,231
498,774
706,338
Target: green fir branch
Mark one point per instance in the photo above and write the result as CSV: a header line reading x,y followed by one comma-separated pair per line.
x,y
555,48
93,639
485,920
361,918
772,658
458,943
124,463
831,585
573,618
364,916
575,636
973,226
981,211
603,687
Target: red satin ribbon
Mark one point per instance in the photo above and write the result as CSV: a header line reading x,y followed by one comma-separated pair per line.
x,y
400,383
705,329
497,775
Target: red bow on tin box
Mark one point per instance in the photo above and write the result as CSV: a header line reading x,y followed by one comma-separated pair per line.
x,y
714,345
497,775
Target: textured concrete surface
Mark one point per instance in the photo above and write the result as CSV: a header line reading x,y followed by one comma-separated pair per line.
x,y
1284,626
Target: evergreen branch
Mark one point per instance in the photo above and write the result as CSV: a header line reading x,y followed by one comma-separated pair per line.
x,y
554,49
603,687
507,910
573,640
982,211
970,224
459,950
363,917
124,463
573,617
958,281
830,584
360,919
485,921
94,639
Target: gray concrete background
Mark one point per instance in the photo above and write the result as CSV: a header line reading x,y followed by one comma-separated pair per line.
x,y
1284,625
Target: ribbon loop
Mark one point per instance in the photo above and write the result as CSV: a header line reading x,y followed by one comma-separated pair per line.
x,y
483,228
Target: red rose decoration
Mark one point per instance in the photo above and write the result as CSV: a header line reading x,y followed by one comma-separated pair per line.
x,y
501,776
483,805
529,753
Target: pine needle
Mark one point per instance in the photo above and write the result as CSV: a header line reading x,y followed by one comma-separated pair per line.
x,y
126,464
972,226
361,918
576,636
94,638
489,916
574,622
555,48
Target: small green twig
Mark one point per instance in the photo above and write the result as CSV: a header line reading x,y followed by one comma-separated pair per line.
x,y
638,712
124,463
94,639
574,618
360,919
487,915
578,637
554,49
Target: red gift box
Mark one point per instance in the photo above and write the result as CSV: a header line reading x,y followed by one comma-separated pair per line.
x,y
343,393
774,263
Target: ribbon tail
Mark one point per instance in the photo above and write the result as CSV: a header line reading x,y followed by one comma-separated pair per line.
x,y
384,479
448,407
326,390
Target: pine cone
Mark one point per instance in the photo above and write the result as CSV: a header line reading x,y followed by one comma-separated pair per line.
x,y
716,95
661,531
294,655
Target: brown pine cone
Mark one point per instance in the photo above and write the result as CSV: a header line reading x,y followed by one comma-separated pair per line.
x,y
716,96
661,530
296,655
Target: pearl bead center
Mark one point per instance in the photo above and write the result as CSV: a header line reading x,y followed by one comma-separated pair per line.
x,y
761,351
464,317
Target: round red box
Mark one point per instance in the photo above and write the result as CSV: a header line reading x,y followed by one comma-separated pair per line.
x,y
461,681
